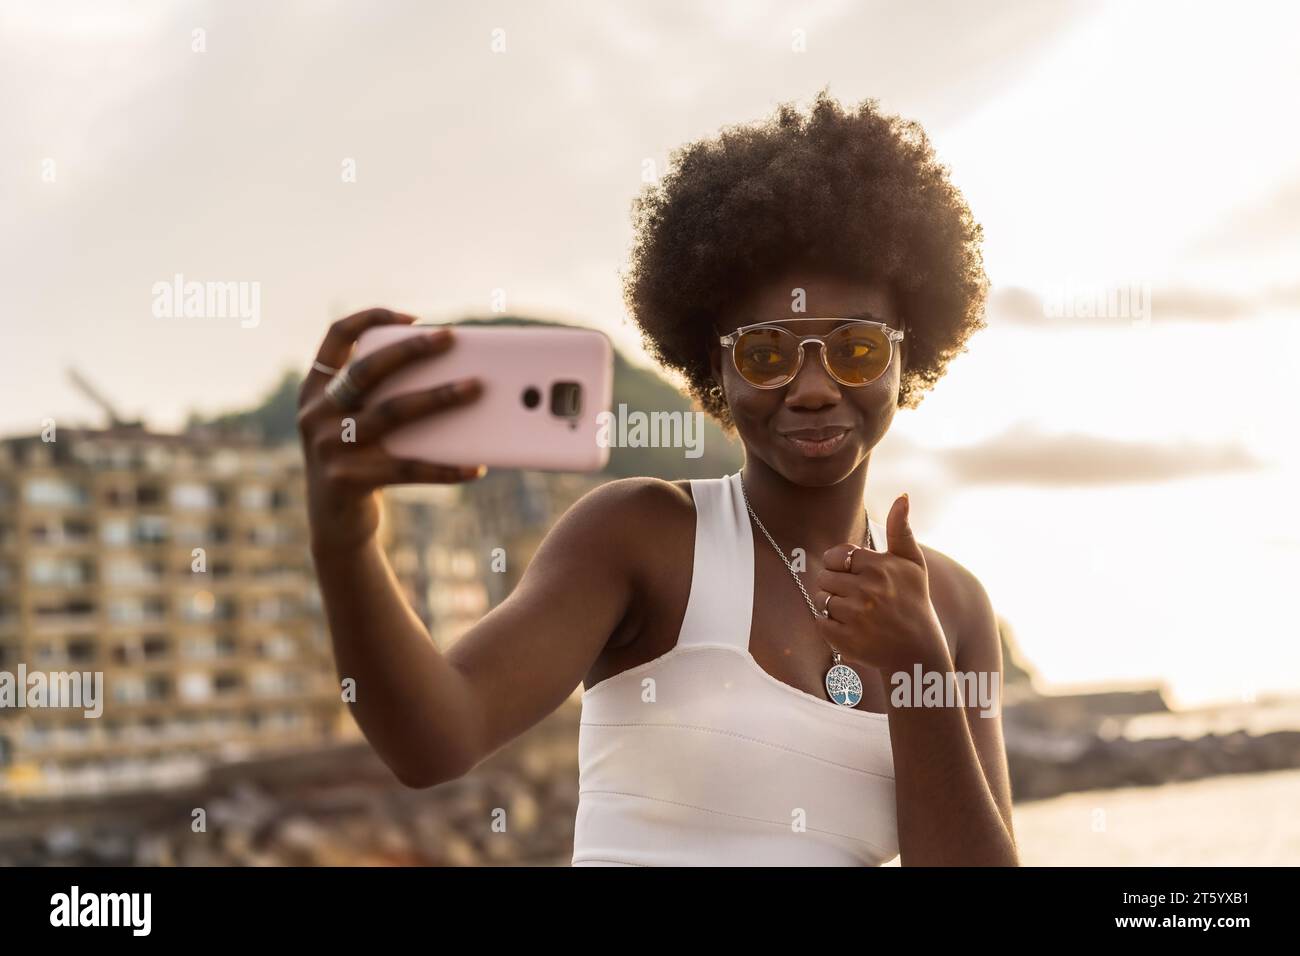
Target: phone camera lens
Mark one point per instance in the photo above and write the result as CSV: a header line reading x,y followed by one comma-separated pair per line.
x,y
566,399
532,397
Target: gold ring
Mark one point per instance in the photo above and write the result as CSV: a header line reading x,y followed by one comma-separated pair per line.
x,y
826,606
848,558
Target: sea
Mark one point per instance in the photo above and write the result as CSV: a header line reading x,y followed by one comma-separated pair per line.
x,y
1230,820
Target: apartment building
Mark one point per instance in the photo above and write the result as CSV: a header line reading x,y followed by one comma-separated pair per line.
x,y
431,536
176,565
459,550
515,510
179,567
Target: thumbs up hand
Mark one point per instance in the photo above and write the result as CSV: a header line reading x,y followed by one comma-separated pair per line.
x,y
880,612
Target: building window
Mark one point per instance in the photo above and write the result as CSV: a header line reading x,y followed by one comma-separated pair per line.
x,y
148,496
254,497
134,571
64,572
128,688
157,687
82,650
53,492
195,686
135,610
151,529
200,648
115,531
227,682
194,497
276,647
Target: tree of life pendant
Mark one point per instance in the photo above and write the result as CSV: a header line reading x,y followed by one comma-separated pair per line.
x,y
843,684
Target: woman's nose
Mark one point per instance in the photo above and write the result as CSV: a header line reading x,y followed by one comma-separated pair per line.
x,y
812,386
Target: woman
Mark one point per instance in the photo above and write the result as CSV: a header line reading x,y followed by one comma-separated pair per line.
x,y
738,638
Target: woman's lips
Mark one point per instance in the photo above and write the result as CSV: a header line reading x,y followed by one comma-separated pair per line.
x,y
817,448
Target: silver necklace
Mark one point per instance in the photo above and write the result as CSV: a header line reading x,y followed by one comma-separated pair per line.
x,y
843,684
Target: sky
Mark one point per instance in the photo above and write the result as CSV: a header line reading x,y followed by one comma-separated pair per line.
x,y
1122,485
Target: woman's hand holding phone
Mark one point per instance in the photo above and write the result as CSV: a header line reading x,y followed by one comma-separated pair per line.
x,y
342,445
433,716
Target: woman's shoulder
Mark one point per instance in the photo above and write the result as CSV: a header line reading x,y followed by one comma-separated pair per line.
x,y
639,501
636,524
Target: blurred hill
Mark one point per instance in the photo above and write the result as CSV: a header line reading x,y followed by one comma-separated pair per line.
x,y
273,419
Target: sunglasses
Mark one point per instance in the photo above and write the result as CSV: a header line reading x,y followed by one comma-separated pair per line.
x,y
855,354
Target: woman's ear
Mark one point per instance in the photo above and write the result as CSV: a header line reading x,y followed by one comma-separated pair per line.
x,y
715,361
895,297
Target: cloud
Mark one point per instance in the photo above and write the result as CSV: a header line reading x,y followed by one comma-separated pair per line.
x,y
1026,455
1012,305
1271,220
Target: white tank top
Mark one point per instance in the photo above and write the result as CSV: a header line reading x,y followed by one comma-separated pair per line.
x,y
701,758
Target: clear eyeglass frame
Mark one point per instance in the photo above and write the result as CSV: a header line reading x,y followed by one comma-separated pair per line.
x,y
729,341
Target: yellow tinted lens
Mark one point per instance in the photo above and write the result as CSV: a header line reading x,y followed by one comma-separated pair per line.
x,y
766,357
858,354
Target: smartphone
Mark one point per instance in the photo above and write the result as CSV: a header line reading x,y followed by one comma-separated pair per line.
x,y
544,389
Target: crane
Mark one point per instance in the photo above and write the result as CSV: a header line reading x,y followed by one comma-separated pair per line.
x,y
86,388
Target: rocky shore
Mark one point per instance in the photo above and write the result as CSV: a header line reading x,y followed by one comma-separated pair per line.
x,y
1046,767
1072,742
341,806
335,807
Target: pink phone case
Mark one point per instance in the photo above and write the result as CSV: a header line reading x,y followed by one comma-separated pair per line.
x,y
499,429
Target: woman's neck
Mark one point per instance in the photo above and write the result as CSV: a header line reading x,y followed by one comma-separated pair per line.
x,y
803,516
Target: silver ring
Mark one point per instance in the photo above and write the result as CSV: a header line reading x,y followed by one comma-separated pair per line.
x,y
322,367
344,391
848,558
826,606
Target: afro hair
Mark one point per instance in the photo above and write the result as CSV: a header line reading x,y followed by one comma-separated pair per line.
x,y
857,194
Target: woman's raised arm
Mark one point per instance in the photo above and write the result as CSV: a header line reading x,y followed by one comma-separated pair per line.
x,y
432,716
